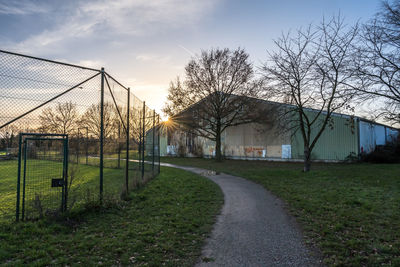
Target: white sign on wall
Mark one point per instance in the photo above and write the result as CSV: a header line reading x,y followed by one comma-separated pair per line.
x,y
171,150
286,151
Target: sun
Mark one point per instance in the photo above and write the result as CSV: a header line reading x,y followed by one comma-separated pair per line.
x,y
169,124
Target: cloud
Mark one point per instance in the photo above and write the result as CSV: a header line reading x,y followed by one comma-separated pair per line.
x,y
21,8
134,17
111,20
148,57
110,31
95,64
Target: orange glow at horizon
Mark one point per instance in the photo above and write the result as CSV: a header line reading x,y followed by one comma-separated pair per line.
x,y
168,125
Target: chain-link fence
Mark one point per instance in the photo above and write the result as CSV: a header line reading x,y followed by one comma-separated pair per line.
x,y
113,137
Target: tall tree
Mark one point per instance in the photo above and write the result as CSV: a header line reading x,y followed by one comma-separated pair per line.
x,y
60,119
216,94
135,124
91,119
311,70
379,61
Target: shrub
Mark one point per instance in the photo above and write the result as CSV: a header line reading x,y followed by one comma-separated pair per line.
x,y
384,154
352,157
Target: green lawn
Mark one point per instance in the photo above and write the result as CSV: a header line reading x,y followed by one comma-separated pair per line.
x,y
84,187
350,211
164,223
110,160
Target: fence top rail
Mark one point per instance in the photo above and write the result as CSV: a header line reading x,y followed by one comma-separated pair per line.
x,y
44,134
66,64
115,80
48,60
44,139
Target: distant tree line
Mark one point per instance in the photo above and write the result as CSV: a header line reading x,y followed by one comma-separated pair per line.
x,y
64,118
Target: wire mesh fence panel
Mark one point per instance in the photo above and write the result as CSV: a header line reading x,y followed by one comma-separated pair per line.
x,y
115,134
42,176
156,145
37,96
106,127
148,138
135,144
8,185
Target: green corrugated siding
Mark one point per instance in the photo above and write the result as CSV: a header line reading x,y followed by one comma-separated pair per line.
x,y
334,144
163,145
163,141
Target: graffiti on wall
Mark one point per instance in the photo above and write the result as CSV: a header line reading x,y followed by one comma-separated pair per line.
x,y
255,151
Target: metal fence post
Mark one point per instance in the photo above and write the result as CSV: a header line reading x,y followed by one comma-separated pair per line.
x,y
154,130
127,142
19,178
25,144
64,208
101,133
87,145
143,136
158,143
77,146
140,140
119,144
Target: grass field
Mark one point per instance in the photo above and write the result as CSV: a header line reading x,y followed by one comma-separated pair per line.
x,y
110,160
163,223
351,212
84,187
85,184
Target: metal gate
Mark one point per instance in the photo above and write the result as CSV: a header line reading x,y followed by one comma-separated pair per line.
x,y
42,175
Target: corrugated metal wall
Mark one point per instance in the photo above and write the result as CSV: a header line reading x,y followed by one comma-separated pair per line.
x,y
163,144
348,137
391,134
334,144
254,141
372,135
244,141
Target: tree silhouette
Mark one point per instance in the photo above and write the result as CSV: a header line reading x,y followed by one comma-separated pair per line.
x,y
379,61
215,95
312,69
60,119
91,119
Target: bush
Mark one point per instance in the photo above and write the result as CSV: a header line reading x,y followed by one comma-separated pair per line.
x,y
384,154
352,157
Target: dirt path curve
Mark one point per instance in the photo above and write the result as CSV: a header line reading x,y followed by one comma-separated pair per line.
x,y
253,228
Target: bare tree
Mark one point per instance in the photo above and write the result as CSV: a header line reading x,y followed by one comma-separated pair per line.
x,y
215,95
379,61
135,123
60,119
9,136
91,119
311,71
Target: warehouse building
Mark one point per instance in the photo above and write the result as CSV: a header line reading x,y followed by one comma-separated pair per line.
x,y
346,137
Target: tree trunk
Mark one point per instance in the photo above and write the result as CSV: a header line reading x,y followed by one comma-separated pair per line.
x,y
218,156
307,159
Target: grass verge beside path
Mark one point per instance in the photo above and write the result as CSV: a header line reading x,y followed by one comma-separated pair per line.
x,y
165,222
350,211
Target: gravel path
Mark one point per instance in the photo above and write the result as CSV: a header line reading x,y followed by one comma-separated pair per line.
x,y
253,228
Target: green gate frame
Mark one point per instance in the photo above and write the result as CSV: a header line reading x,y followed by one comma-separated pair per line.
x,y
22,151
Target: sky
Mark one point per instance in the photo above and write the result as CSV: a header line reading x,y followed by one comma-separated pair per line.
x,y
147,43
